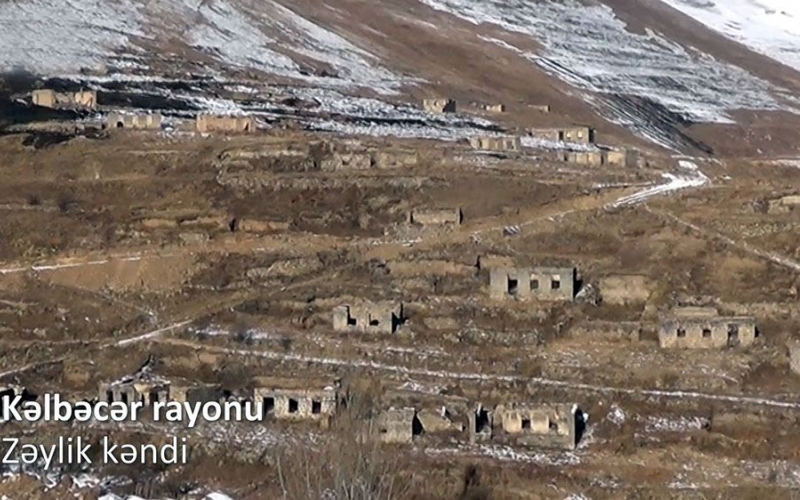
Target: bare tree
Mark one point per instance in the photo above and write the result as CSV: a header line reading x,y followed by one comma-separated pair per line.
x,y
345,464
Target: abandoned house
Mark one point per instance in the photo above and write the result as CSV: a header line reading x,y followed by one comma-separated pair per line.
x,y
703,328
223,123
439,420
587,158
188,392
622,158
434,217
794,355
489,143
138,121
785,204
297,399
145,388
368,317
494,108
51,99
615,158
439,105
580,135
397,425
542,283
547,426
480,425
542,108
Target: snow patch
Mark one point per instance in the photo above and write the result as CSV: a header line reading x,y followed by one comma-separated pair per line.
x,y
64,35
681,424
636,79
769,27
690,177
616,415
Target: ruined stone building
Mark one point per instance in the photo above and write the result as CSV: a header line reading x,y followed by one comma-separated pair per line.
x,y
190,392
223,123
480,425
794,355
542,108
541,283
588,158
622,158
494,108
439,105
703,328
547,426
490,143
51,99
785,204
580,135
144,388
368,317
138,121
435,421
616,158
435,217
397,425
297,399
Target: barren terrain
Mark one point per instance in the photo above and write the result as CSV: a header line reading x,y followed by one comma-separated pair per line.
x,y
220,258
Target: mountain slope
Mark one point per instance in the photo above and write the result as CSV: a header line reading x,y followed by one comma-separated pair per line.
x,y
612,66
769,27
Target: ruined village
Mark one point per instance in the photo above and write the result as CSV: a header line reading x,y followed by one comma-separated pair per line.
x,y
446,308
476,289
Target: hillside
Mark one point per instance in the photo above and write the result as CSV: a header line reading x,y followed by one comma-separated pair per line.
x,y
629,69
572,276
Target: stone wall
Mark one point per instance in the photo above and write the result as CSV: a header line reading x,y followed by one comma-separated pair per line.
x,y
495,108
139,121
709,332
580,135
480,424
542,108
794,355
543,283
622,158
784,204
196,393
539,425
221,123
296,403
608,330
588,158
435,217
439,105
491,143
131,392
384,318
396,425
50,99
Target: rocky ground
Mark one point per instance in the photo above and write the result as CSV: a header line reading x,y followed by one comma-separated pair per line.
x,y
220,257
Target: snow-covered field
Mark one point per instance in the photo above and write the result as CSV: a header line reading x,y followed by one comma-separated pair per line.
x,y
63,36
769,27
641,80
688,176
